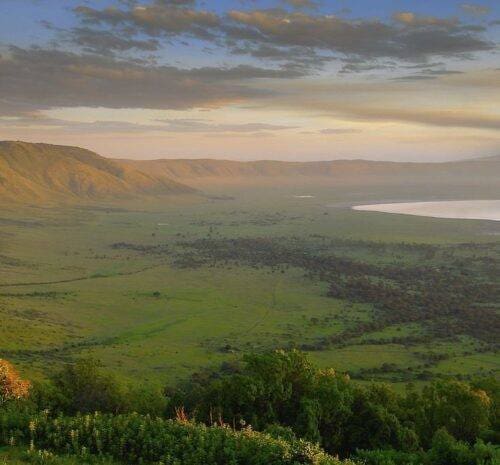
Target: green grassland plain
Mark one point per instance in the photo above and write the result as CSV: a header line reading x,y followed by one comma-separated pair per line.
x,y
67,290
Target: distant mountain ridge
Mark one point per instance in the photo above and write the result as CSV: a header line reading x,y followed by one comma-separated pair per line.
x,y
208,171
43,172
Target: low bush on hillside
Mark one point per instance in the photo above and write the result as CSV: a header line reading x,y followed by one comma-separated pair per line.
x,y
445,450
137,438
17,456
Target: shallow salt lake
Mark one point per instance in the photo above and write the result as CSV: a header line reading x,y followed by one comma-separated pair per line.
x,y
459,209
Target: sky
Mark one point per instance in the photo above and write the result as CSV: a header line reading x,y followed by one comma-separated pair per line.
x,y
415,80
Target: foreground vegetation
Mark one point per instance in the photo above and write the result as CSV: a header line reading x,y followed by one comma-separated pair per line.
x,y
275,408
135,439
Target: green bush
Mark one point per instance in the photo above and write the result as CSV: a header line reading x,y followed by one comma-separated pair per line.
x,y
17,456
389,457
135,439
454,405
284,388
85,387
14,417
445,451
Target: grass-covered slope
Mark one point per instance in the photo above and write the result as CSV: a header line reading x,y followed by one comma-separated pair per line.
x,y
43,172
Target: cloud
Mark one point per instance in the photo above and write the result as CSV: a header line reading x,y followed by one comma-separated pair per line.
x,y
191,125
298,29
475,9
37,78
12,107
408,37
307,4
176,2
155,19
443,118
426,73
445,100
107,42
180,125
360,66
107,127
473,83
73,127
335,131
433,117
411,19
304,58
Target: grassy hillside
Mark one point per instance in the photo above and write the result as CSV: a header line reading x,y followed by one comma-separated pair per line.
x,y
42,172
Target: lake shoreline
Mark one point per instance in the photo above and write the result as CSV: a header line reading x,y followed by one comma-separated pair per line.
x,y
485,210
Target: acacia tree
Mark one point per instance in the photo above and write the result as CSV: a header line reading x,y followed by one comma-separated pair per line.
x,y
12,387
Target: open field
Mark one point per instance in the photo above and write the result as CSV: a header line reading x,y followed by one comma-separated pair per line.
x,y
159,290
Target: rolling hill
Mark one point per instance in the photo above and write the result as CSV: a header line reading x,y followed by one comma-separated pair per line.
x,y
42,172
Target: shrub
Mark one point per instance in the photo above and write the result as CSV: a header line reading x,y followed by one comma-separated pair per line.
x,y
446,450
389,457
14,416
456,406
16,456
135,438
85,387
12,387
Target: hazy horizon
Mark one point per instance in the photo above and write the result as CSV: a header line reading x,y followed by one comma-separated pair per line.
x,y
250,160
289,80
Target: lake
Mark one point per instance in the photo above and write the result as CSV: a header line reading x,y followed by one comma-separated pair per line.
x,y
460,209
